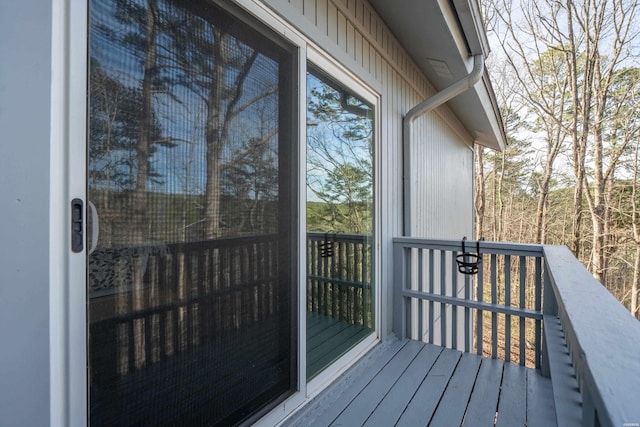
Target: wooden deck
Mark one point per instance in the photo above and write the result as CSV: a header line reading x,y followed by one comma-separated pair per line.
x,y
328,339
409,383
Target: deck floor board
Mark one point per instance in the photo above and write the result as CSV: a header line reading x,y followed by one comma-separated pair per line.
x,y
424,403
409,383
450,410
351,384
328,339
539,401
483,401
512,408
389,411
367,401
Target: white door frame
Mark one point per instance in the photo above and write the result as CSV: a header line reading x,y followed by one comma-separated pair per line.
x,y
67,270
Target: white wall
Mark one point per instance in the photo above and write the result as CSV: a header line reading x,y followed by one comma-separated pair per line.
x,y
443,186
25,55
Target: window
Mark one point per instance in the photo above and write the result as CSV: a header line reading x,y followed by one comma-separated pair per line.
x,y
340,220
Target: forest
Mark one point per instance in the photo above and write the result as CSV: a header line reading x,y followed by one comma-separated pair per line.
x,y
567,80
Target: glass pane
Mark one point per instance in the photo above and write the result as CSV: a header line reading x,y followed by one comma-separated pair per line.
x,y
340,300
190,156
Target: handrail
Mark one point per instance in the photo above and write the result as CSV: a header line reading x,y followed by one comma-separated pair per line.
x,y
602,337
603,340
434,299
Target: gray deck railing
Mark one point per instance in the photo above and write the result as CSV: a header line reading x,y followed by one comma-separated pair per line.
x,y
602,337
496,313
339,277
590,345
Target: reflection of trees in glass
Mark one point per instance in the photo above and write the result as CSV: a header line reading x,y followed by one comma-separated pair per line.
x,y
339,160
114,131
222,72
184,122
251,180
132,29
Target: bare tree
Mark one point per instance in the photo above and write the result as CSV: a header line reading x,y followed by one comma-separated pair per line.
x,y
592,37
635,220
542,84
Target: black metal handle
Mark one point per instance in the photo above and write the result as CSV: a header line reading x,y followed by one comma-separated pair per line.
x,y
77,225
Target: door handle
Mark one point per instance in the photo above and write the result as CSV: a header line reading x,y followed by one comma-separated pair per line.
x,y
77,225
95,227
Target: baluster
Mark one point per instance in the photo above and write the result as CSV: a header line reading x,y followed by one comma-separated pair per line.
x,y
366,288
421,289
494,300
467,312
480,313
325,285
431,291
357,302
538,302
311,263
507,302
454,293
443,292
154,338
350,278
202,308
342,251
162,285
523,298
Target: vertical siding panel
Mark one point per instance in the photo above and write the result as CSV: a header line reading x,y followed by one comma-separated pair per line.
x,y
321,16
309,10
342,31
358,51
352,7
351,40
332,22
366,45
361,12
366,55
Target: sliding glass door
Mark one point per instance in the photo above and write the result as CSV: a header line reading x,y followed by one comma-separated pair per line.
x,y
340,220
192,288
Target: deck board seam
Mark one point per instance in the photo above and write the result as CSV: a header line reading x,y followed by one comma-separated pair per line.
x,y
443,391
499,394
473,388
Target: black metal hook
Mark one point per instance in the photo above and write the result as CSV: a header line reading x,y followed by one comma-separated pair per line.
x,y
326,247
469,262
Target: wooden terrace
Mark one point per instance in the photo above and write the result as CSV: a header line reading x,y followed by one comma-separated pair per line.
x,y
410,383
533,340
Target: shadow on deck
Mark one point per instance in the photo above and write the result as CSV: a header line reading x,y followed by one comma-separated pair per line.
x,y
410,383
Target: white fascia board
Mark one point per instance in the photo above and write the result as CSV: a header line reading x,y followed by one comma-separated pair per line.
x,y
497,141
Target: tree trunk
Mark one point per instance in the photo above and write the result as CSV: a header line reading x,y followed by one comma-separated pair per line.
x,y
213,134
479,192
634,286
139,233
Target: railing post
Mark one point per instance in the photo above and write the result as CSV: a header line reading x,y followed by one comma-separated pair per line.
x,y
589,416
400,279
549,308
